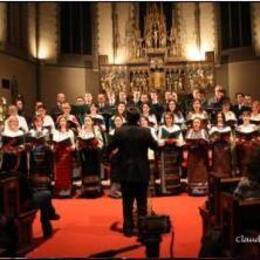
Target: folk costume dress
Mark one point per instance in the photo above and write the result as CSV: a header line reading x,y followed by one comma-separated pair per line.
x,y
197,145
90,144
246,144
170,158
220,137
41,158
13,153
64,145
22,124
114,169
48,123
255,119
203,116
100,122
178,120
231,119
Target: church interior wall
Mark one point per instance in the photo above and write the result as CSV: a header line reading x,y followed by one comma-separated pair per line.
x,y
105,30
48,32
24,73
71,81
244,77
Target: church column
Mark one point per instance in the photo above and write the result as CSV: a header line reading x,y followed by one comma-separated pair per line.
x,y
188,36
122,11
2,25
48,32
197,29
31,23
105,30
197,24
208,28
255,25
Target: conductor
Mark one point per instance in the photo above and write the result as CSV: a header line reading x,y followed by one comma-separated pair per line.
x,y
132,143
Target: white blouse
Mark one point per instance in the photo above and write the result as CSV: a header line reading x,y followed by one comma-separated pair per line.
x,y
172,129
59,136
93,134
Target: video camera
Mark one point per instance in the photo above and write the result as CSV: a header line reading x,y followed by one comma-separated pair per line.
x,y
156,224
150,230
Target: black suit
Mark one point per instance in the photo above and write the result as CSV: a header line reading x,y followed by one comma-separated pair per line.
x,y
158,110
239,109
133,165
56,112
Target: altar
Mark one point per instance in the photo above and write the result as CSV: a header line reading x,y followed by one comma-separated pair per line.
x,y
155,60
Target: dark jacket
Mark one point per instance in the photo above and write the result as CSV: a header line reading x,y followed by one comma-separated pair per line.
x,y
238,110
133,143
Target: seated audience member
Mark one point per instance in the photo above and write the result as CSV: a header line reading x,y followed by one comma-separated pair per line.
x,y
249,186
39,197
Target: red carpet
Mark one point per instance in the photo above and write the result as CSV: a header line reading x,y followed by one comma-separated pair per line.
x,y
84,228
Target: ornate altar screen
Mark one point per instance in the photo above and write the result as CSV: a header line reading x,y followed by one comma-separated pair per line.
x,y
155,61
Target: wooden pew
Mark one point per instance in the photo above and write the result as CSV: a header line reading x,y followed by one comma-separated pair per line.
x,y
210,212
238,217
218,184
9,196
10,207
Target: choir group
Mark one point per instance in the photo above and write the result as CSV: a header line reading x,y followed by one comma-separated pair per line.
x,y
195,135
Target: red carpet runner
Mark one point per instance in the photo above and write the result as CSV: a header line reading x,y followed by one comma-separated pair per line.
x,y
84,228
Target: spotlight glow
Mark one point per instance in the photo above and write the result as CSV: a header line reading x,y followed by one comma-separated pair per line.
x,y
194,54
